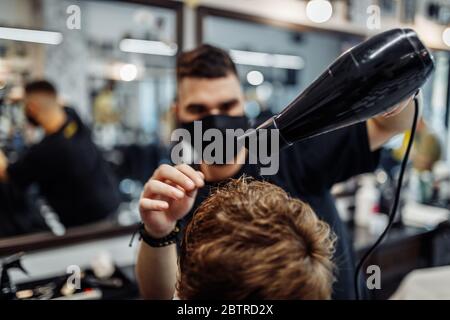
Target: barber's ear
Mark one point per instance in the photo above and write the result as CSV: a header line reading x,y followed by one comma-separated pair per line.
x,y
32,107
174,108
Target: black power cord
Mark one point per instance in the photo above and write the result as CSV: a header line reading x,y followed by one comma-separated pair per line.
x,y
394,208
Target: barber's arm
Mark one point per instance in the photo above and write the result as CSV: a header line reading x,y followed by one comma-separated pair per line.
x,y
3,167
167,197
382,128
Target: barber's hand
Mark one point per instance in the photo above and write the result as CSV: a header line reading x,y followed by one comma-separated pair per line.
x,y
167,197
397,109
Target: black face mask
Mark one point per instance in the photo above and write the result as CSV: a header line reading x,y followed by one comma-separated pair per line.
x,y
222,123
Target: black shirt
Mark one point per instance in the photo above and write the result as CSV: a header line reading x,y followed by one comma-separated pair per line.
x,y
71,174
307,171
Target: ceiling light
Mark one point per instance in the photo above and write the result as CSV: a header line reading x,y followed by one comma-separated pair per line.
x,y
268,60
128,72
319,11
28,35
255,78
446,37
148,47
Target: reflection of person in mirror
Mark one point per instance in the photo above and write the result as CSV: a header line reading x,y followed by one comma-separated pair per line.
x,y
66,165
209,91
426,151
105,106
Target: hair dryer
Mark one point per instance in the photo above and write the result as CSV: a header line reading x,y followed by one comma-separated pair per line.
x,y
365,81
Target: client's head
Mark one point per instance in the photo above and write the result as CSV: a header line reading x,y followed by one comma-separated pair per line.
x,y
250,240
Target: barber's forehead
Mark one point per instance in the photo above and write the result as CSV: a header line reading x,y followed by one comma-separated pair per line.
x,y
32,95
38,97
38,94
201,89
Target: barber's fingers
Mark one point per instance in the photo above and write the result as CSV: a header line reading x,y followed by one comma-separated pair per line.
x,y
147,205
161,189
196,176
398,108
175,176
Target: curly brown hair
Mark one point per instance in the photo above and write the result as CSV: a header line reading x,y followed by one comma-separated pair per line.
x,y
250,240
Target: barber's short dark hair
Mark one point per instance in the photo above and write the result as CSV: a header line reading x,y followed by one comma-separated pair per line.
x,y
205,61
42,86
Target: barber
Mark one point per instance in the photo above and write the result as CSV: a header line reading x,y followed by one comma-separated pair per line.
x,y
66,165
209,90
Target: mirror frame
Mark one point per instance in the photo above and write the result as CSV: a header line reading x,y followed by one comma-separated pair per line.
x,y
98,231
205,11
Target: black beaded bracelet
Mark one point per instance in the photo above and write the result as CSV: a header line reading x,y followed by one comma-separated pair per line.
x,y
161,242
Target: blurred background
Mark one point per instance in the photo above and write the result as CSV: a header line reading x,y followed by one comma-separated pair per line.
x,y
114,63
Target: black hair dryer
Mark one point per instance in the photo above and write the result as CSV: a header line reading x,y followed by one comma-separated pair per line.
x,y
364,82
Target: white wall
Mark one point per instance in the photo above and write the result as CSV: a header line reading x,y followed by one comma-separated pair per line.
x,y
108,21
66,64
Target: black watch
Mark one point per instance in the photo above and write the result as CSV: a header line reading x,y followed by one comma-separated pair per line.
x,y
161,242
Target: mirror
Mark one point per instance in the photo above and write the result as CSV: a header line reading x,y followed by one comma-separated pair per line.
x,y
275,62
259,45
113,64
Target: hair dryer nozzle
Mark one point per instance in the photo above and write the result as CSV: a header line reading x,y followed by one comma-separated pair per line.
x,y
420,49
